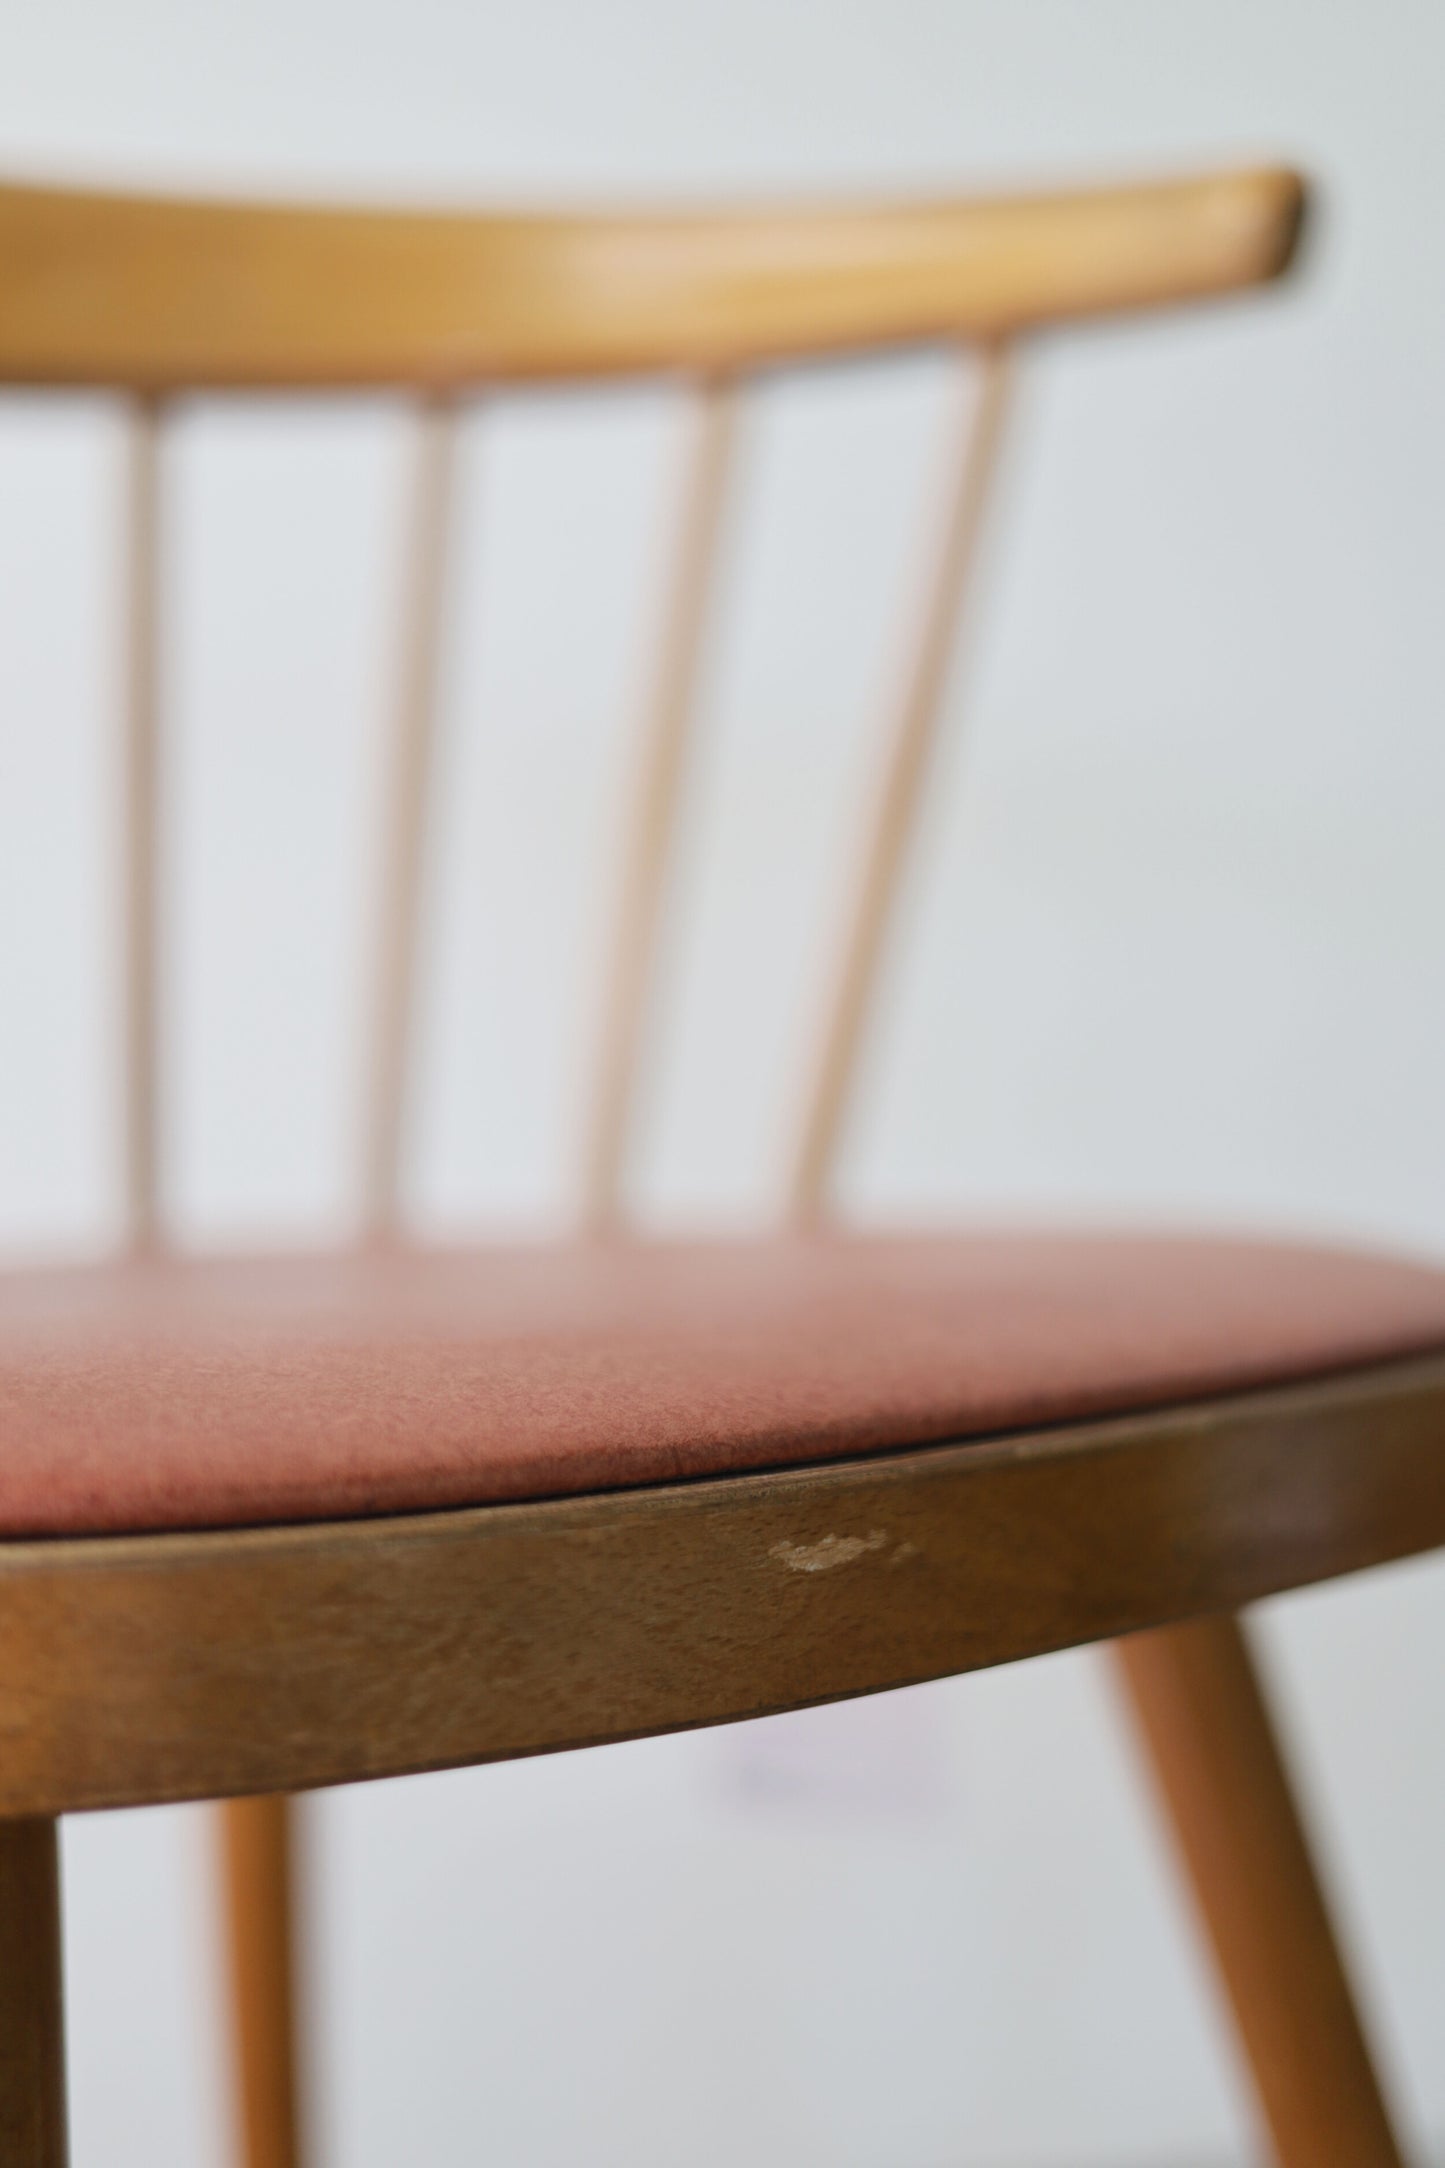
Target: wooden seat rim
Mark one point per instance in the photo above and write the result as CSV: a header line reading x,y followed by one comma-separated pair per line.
x,y
148,1668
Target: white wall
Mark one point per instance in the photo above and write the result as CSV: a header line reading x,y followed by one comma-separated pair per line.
x,y
1175,948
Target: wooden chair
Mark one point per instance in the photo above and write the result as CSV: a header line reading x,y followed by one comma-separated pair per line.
x,y
272,1525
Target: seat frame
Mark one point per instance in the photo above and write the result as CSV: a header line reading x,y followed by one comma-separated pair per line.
x,y
141,1669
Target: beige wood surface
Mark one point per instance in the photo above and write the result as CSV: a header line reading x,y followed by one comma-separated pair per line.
x,y
141,914
105,289
32,2019
898,801
164,1667
654,809
1223,1782
405,808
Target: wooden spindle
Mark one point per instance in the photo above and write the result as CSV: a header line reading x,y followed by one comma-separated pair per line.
x,y
664,746
895,818
141,817
406,809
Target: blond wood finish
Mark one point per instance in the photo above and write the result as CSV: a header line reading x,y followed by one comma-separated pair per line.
x,y
184,1666
104,289
166,1667
897,806
654,811
141,787
257,1836
405,809
1201,1712
32,2017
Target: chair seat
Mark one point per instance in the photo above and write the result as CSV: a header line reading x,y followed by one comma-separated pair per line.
x,y
172,1393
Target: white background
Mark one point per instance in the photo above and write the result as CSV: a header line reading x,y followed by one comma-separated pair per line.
x,y
1174,948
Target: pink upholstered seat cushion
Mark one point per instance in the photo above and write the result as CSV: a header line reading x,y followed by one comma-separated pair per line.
x,y
175,1394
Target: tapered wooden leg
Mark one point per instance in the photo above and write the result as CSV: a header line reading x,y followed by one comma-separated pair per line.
x,y
1203,1718
32,2020
257,1853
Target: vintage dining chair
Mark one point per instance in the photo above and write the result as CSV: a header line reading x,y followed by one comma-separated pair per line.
x,y
275,1524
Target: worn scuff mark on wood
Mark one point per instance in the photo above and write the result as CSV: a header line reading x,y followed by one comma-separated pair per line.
x,y
828,1552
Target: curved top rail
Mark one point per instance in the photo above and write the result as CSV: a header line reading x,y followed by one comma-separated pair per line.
x,y
158,294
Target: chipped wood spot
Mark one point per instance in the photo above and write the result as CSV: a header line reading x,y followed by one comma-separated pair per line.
x,y
828,1552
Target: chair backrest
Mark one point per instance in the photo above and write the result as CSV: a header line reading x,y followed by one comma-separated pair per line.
x,y
155,298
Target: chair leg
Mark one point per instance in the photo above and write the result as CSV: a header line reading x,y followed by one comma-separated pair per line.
x,y
1200,1709
257,1848
32,2020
